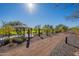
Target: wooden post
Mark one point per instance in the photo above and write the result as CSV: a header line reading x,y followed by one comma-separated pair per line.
x,y
66,40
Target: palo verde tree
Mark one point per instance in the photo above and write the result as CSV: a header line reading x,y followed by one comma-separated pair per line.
x,y
51,29
74,13
75,30
7,29
17,25
35,29
14,23
38,29
46,29
61,28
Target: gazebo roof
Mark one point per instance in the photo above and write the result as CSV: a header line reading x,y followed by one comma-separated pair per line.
x,y
20,26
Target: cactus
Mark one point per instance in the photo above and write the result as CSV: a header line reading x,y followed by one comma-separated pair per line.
x,y
39,32
47,32
24,32
28,40
31,31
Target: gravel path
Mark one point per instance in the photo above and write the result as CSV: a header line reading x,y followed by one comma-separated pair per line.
x,y
71,48
38,48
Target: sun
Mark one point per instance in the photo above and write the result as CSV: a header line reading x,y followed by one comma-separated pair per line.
x,y
31,7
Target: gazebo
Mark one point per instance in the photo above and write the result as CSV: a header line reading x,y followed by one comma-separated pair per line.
x,y
20,28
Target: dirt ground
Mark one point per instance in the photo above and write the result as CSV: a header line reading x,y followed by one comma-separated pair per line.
x,y
42,47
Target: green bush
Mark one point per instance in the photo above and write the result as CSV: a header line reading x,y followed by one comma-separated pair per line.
x,y
19,40
6,41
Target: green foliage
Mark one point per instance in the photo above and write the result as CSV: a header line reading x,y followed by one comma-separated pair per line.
x,y
75,30
48,29
6,41
14,23
18,40
7,29
61,28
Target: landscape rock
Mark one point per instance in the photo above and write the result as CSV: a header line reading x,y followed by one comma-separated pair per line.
x,y
73,40
63,49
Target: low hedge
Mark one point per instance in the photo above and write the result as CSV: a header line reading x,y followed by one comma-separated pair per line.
x,y
4,42
18,40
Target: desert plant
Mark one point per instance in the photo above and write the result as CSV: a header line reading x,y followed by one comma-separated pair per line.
x,y
18,40
7,30
46,29
61,28
28,40
4,42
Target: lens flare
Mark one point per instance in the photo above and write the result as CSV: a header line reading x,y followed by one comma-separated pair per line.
x,y
31,7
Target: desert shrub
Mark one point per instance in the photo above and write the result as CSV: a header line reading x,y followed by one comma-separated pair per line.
x,y
23,38
1,42
18,40
4,42
61,28
7,41
75,30
0,45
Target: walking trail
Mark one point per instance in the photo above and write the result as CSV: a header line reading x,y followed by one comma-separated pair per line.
x,y
42,47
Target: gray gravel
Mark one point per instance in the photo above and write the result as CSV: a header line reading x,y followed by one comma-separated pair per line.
x,y
68,49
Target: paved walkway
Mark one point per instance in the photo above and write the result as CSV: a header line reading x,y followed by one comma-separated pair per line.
x,y
14,36
42,47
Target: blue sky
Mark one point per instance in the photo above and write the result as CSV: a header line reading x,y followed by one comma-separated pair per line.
x,y
45,13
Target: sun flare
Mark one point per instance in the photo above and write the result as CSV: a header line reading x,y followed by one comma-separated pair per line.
x,y
31,7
